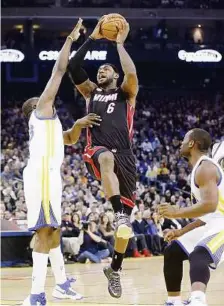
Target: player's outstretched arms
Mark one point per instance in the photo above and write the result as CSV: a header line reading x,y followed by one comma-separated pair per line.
x,y
76,73
45,104
72,135
130,82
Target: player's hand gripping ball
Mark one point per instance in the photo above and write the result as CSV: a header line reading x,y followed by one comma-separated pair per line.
x,y
112,24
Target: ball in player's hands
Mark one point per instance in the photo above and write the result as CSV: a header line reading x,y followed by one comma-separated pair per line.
x,y
111,25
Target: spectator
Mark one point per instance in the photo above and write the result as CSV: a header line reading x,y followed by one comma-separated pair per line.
x,y
94,248
106,229
77,226
7,174
66,226
8,216
155,230
140,229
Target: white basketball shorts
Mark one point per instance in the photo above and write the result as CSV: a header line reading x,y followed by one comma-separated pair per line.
x,y
210,236
43,192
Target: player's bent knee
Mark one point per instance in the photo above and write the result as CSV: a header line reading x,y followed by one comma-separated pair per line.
x,y
56,238
44,232
44,237
169,251
200,254
173,252
199,265
57,233
106,159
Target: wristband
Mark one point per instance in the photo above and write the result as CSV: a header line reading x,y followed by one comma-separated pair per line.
x,y
69,36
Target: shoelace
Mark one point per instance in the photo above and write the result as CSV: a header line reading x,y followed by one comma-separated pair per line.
x,y
115,281
68,283
71,280
121,218
42,299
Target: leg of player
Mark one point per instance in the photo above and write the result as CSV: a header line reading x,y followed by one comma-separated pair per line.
x,y
200,260
173,273
63,289
123,227
112,271
111,187
40,260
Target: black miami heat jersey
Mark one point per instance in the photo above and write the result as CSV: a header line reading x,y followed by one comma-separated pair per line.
x,y
116,128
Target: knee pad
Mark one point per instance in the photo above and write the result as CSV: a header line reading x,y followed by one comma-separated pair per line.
x,y
173,266
199,265
174,252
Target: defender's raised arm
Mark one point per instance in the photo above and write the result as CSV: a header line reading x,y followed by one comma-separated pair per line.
x,y
76,73
44,106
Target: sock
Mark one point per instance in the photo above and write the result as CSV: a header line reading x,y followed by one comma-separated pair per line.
x,y
39,274
57,265
128,209
198,294
116,203
117,261
173,299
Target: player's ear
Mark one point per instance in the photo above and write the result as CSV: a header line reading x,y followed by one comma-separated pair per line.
x,y
116,76
191,143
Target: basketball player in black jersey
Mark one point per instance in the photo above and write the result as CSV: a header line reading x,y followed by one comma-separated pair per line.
x,y
108,154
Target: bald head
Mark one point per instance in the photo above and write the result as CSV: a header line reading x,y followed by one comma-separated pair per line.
x,y
29,106
196,139
202,138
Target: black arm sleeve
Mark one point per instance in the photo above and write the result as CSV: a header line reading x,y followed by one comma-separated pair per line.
x,y
76,73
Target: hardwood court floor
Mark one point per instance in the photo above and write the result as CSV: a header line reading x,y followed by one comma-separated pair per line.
x,y
142,281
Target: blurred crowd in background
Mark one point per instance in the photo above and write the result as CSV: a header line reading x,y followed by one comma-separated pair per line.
x,y
162,35
196,4
88,219
199,4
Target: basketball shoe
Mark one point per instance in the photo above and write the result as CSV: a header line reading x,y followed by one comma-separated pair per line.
x,y
179,303
123,226
65,291
114,282
176,303
35,300
196,301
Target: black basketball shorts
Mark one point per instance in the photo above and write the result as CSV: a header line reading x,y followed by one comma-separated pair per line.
x,y
125,170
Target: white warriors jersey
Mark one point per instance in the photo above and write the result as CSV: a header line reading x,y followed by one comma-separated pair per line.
x,y
46,145
218,153
195,192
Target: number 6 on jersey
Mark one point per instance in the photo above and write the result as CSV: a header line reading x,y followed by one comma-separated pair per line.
x,y
110,108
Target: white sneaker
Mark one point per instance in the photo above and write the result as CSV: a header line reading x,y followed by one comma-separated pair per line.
x,y
35,300
65,291
196,301
176,303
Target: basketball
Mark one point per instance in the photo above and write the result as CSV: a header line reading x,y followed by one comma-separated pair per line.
x,y
111,25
